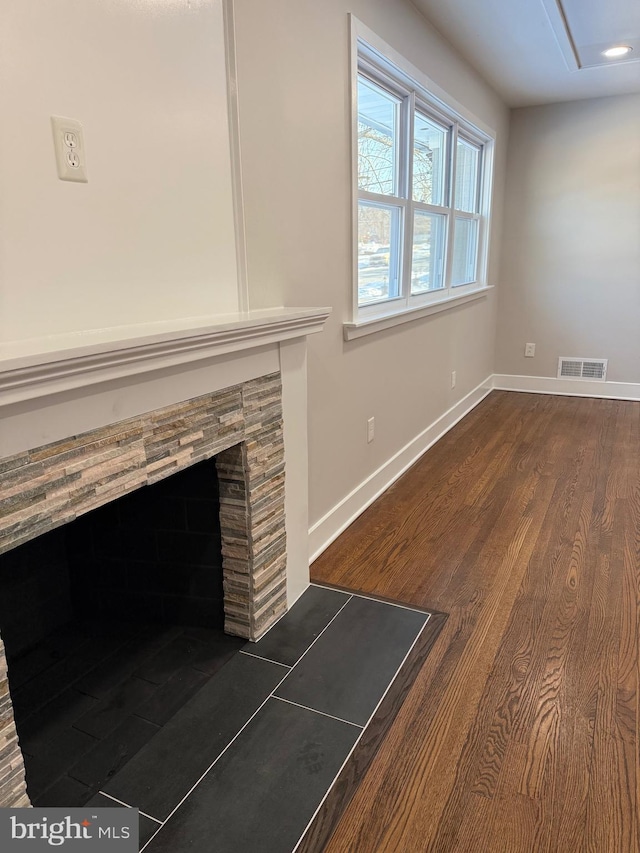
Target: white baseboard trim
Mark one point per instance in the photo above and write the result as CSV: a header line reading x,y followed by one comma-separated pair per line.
x,y
333,523
567,387
336,521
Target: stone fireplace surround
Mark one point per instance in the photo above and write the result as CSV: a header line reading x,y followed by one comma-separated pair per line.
x,y
240,426
86,423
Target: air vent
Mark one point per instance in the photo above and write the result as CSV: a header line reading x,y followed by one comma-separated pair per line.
x,y
582,368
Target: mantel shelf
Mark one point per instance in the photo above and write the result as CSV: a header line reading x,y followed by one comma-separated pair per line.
x,y
39,367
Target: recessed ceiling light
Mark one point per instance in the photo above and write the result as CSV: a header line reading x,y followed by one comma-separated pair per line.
x,y
617,51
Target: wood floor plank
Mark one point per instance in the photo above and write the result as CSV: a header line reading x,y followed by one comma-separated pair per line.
x,y
522,643
521,732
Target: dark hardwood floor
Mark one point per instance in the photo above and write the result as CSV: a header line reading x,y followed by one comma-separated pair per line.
x,y
521,731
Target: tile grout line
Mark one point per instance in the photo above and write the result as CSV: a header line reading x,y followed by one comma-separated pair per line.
x,y
237,735
322,713
371,598
313,642
268,660
127,806
359,738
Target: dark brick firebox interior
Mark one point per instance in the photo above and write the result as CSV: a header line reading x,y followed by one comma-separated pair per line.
x,y
111,623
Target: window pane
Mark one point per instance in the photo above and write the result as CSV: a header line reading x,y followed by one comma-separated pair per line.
x,y
427,257
467,163
465,251
378,255
377,139
429,154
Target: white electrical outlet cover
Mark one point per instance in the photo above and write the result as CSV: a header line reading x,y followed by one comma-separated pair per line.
x,y
371,426
68,142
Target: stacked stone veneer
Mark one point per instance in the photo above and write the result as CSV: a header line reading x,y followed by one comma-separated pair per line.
x,y
13,790
241,426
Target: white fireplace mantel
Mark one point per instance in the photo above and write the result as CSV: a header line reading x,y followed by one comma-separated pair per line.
x,y
65,385
159,385
40,367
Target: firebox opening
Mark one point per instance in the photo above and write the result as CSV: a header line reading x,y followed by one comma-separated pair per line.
x,y
111,624
154,553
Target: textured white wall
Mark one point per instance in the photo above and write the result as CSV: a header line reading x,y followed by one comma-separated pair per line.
x,y
570,279
293,76
151,235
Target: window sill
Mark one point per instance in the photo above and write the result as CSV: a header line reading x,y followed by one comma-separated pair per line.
x,y
368,326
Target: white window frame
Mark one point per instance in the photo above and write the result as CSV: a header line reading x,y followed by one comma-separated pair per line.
x,y
378,62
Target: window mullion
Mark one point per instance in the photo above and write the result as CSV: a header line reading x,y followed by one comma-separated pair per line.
x,y
409,106
453,149
406,153
451,190
480,178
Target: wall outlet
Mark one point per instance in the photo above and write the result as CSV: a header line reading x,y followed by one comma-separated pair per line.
x,y
371,430
68,142
453,379
529,350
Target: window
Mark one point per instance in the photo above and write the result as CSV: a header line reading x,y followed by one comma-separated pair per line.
x,y
422,194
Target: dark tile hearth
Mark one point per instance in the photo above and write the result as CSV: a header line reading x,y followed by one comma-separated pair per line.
x,y
346,672
147,826
90,697
292,636
223,745
164,772
266,785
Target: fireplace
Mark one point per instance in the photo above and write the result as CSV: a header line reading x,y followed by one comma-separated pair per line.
x,y
90,421
240,426
153,554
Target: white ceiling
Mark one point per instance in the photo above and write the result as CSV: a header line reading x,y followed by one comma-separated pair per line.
x,y
541,51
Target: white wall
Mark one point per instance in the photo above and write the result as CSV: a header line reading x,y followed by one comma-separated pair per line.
x,y
293,79
151,235
571,272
